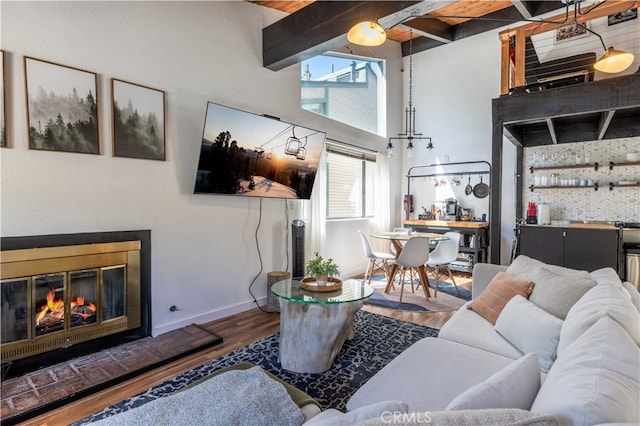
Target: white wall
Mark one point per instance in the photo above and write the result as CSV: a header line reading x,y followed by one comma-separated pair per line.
x,y
204,255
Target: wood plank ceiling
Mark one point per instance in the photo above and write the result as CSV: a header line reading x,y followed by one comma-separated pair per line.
x,y
314,27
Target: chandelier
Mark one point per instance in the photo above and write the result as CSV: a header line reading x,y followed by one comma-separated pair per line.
x,y
410,134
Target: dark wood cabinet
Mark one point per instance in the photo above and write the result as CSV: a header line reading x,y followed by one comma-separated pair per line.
x,y
576,248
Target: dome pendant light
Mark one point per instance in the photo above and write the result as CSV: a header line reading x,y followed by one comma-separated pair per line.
x,y
367,33
614,61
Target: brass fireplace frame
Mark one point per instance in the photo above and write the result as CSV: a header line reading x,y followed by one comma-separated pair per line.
x,y
26,264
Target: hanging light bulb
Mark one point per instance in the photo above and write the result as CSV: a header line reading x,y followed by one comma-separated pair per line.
x,y
410,149
429,149
390,150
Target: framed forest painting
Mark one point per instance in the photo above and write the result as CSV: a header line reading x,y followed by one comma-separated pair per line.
x,y
3,102
62,107
138,121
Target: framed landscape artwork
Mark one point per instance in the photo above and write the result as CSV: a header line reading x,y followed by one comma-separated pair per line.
x,y
3,102
138,121
571,31
62,107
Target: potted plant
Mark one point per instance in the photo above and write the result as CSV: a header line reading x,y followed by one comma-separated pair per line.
x,y
322,269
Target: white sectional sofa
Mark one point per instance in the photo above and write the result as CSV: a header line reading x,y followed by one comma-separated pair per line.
x,y
567,354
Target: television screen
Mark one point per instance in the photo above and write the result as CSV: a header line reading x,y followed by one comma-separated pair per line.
x,y
253,155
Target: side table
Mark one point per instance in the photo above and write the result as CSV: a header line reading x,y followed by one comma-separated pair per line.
x,y
315,325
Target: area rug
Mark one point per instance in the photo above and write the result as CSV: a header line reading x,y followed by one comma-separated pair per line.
x,y
378,340
446,300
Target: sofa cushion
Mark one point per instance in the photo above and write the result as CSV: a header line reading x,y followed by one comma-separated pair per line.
x,y
557,293
525,267
515,386
595,380
469,328
428,375
633,293
530,329
603,299
499,291
332,417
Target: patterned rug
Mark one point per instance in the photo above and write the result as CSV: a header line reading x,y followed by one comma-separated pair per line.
x,y
446,300
378,340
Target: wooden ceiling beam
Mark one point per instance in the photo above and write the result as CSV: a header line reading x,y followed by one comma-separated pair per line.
x,y
319,27
474,26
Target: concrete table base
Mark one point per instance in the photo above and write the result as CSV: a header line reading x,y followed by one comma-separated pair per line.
x,y
311,335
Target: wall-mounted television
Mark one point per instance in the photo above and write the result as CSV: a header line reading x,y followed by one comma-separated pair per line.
x,y
246,154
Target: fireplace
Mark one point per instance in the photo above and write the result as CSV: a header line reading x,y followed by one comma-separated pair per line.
x,y
66,295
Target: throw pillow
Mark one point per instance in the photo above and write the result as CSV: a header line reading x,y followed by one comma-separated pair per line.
x,y
596,380
499,291
525,267
556,293
530,329
378,411
602,300
515,386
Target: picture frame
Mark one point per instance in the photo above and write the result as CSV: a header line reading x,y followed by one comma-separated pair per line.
x,y
570,32
138,121
4,135
624,16
62,107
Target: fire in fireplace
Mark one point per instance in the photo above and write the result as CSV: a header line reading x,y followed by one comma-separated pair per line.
x,y
58,297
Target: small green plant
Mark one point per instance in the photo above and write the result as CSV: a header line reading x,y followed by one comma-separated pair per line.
x,y
319,266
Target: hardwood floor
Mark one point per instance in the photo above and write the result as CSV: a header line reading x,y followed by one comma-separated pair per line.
x,y
237,331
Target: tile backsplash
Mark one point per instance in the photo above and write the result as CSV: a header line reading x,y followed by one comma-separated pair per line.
x,y
575,203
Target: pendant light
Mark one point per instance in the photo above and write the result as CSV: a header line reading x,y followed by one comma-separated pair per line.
x,y
367,33
410,133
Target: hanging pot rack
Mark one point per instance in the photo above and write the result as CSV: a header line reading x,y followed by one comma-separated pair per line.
x,y
482,168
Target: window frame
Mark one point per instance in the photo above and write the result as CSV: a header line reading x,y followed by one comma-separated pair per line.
x,y
364,156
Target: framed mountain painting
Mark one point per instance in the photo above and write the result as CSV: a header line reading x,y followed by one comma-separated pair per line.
x,y
138,121
62,107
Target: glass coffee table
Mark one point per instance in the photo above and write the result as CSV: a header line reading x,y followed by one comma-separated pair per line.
x,y
314,325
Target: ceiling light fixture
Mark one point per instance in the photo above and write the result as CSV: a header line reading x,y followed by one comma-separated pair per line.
x,y
367,33
613,61
410,133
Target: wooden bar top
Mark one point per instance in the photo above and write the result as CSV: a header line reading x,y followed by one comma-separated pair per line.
x,y
448,223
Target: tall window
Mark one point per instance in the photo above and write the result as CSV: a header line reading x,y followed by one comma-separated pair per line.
x,y
346,88
351,182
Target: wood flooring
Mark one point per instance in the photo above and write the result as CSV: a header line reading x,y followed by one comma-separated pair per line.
x,y
237,331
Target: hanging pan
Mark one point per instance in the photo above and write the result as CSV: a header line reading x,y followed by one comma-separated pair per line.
x,y
468,189
481,190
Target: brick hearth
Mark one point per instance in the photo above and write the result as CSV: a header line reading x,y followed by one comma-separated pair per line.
x,y
52,386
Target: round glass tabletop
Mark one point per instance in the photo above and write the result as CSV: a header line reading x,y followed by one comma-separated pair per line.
x,y
352,290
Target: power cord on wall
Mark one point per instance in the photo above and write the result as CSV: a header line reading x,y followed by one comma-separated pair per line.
x,y
286,234
259,258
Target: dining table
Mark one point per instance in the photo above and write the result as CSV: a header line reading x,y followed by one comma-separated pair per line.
x,y
396,239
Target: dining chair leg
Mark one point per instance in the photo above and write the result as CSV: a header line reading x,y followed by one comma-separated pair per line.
x,y
453,280
402,274
391,277
424,281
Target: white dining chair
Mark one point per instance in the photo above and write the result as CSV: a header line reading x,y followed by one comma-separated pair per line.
x,y
413,257
376,259
440,258
402,230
